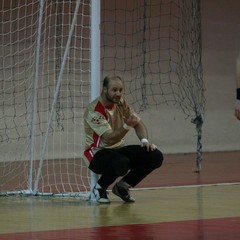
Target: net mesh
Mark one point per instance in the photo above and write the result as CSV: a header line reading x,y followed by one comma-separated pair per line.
x,y
156,47
62,170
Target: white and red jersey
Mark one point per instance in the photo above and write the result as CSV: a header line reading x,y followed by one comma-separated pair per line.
x,y
97,120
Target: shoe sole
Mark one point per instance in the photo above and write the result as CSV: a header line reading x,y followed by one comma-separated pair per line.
x,y
105,201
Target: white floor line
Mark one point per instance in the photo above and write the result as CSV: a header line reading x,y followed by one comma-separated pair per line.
x,y
187,186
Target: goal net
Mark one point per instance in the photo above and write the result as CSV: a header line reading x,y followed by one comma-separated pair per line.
x,y
45,72
45,80
156,47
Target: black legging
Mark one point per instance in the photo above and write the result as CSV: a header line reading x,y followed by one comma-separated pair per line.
x,y
133,162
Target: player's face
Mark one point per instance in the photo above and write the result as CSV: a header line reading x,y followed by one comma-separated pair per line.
x,y
114,91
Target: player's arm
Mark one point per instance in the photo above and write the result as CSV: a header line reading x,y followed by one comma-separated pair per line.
x,y
142,134
141,130
113,136
237,106
99,124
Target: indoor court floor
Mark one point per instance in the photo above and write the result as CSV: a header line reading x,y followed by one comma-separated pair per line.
x,y
172,203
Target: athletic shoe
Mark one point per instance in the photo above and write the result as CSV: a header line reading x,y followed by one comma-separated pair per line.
x,y
100,195
122,191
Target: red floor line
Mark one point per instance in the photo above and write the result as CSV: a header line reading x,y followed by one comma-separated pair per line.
x,y
208,229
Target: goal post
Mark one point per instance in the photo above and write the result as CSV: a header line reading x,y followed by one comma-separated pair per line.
x,y
34,100
95,66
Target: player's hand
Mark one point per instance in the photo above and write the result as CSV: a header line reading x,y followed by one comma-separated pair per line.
x,y
148,145
132,120
237,110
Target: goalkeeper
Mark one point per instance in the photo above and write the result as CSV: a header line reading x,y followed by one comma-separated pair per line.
x,y
106,121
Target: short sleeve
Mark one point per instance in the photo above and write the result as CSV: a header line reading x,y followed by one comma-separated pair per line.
x,y
97,122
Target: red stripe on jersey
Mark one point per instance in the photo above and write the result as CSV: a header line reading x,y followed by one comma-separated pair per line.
x,y
96,139
101,109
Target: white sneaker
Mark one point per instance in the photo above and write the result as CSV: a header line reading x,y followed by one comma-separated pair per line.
x,y
100,195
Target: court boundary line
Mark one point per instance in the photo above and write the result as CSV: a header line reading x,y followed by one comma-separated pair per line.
x,y
187,186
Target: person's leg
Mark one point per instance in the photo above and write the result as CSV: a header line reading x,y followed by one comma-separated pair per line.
x,y
142,163
110,164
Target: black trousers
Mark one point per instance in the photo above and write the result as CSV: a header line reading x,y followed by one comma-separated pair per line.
x,y
133,162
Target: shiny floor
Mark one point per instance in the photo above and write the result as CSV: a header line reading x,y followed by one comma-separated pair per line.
x,y
173,203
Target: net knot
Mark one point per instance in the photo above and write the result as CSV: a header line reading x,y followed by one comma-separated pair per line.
x,y
198,120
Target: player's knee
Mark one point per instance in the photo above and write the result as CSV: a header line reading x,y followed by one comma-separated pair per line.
x,y
157,158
